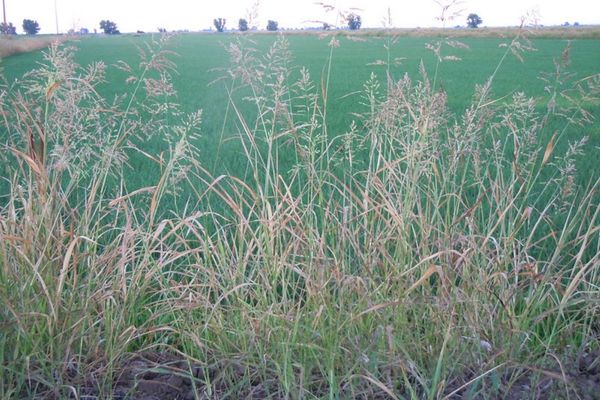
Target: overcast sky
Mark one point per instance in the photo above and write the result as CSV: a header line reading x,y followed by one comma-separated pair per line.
x,y
147,15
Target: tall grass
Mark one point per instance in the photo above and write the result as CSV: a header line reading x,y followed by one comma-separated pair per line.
x,y
534,31
417,255
15,45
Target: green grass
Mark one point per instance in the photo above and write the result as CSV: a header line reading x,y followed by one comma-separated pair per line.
x,y
202,60
446,240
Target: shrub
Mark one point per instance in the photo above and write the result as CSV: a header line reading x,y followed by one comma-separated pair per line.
x,y
243,25
8,29
109,27
272,25
31,27
219,24
474,20
354,21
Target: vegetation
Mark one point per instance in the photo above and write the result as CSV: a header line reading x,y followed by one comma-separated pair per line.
x,y
31,27
219,24
8,29
109,27
474,20
363,271
16,45
354,22
243,25
272,26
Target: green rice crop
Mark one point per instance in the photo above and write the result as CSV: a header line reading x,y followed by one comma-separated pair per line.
x,y
202,61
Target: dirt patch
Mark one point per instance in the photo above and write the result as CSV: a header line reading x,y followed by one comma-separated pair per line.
x,y
162,376
576,379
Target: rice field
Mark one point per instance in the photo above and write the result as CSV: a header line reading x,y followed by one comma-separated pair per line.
x,y
202,62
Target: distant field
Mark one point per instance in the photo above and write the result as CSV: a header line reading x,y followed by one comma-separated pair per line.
x,y
202,59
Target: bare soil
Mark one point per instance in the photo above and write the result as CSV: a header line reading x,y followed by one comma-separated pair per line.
x,y
572,379
163,376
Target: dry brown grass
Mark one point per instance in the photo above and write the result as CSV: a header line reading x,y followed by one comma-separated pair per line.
x,y
556,32
10,45
581,32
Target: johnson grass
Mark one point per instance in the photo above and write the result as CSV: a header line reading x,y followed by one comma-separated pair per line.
x,y
417,253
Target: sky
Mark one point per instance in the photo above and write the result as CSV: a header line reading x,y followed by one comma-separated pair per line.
x,y
194,15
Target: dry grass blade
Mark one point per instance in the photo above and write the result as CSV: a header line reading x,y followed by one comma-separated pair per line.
x,y
549,149
433,269
477,378
376,383
114,202
35,167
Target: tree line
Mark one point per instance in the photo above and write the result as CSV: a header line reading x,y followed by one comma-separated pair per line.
x,y
30,27
353,21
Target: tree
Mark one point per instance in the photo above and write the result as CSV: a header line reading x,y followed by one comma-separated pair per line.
x,y
109,27
8,29
30,26
474,20
272,25
219,24
243,25
354,21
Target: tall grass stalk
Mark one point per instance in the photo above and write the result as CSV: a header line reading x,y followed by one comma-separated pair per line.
x,y
418,255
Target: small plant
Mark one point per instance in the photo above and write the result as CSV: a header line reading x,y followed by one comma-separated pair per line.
x,y
8,28
219,24
272,25
30,26
109,27
474,20
243,25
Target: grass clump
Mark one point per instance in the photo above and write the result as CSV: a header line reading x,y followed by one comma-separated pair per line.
x,y
15,45
416,255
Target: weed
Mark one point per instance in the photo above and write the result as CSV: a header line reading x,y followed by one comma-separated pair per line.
x,y
416,255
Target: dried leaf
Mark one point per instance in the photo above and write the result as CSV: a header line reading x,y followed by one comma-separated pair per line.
x,y
433,269
549,149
